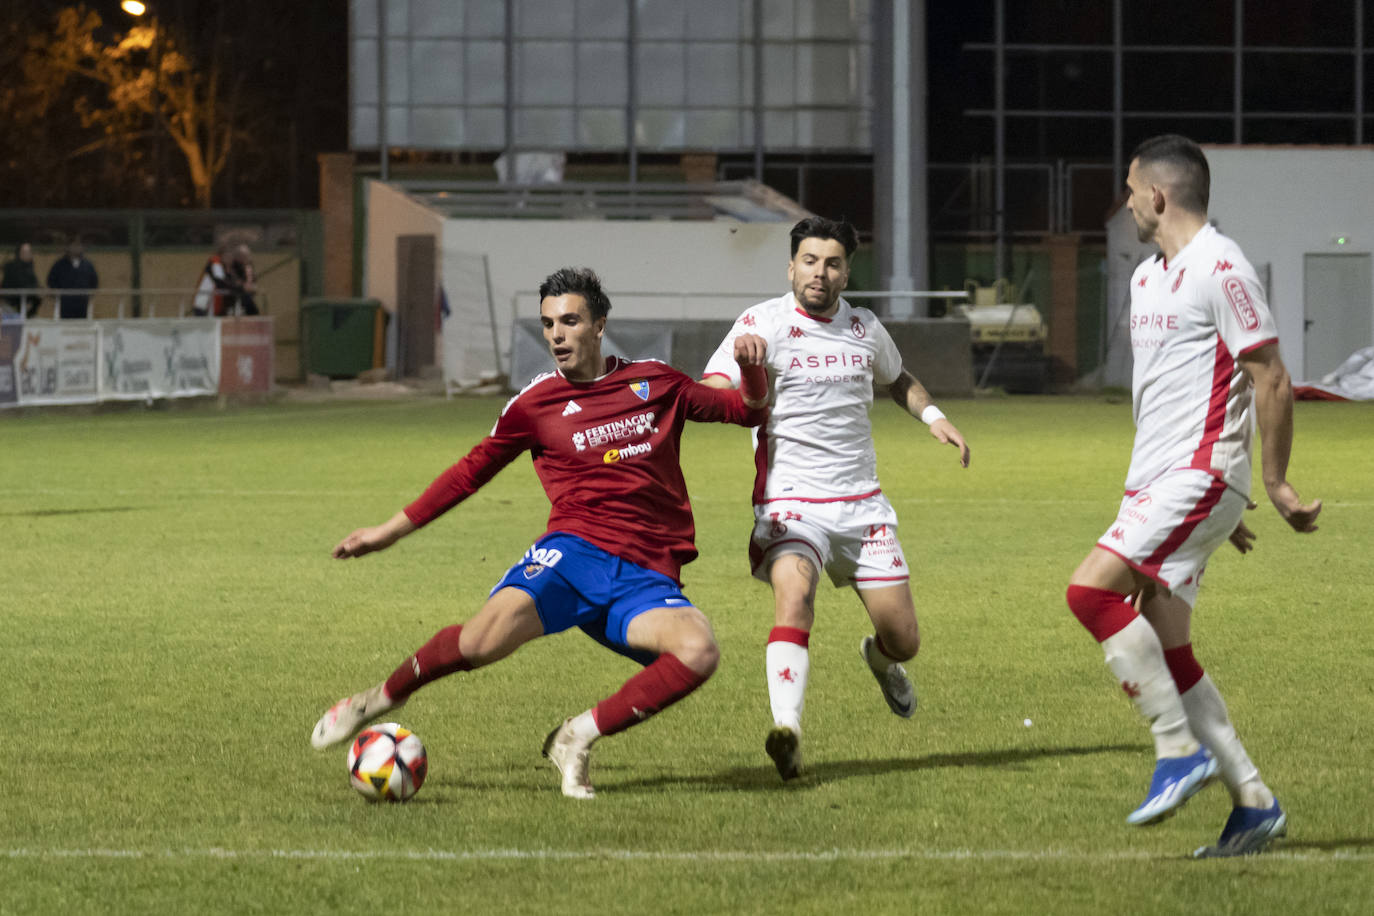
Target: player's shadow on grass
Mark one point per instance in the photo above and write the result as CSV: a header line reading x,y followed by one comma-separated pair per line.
x,y
46,513
1363,842
764,777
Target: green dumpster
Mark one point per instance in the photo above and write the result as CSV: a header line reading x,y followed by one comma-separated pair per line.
x,y
338,336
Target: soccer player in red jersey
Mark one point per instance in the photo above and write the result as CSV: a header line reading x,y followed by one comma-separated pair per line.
x,y
604,436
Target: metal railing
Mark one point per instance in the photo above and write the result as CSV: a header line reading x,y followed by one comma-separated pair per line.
x,y
113,302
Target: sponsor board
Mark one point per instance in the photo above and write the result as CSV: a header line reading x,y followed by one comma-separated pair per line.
x,y
54,363
246,351
159,358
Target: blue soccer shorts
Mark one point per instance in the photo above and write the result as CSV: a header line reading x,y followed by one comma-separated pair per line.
x,y
577,584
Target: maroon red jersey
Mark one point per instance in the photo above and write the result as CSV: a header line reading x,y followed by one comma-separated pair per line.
x,y
607,452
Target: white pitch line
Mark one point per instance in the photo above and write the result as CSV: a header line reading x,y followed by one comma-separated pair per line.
x,y
639,855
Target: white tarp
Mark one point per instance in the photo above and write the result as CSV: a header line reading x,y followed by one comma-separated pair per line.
x,y
1352,380
467,321
159,358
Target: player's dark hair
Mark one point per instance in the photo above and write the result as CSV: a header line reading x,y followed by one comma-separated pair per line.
x,y
1193,188
577,281
818,227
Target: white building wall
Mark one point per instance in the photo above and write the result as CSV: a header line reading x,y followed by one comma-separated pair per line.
x,y
1281,203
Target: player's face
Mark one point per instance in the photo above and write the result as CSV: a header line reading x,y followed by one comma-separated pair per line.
x,y
1141,203
573,337
818,272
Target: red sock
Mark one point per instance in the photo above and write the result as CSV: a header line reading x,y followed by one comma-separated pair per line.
x,y
1183,666
1103,613
790,634
657,687
435,659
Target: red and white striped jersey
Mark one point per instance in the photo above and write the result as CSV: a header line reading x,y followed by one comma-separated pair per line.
x,y
1191,319
818,441
607,453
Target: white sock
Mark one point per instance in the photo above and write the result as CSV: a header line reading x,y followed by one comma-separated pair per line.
x,y
583,727
787,666
876,659
1136,658
1210,722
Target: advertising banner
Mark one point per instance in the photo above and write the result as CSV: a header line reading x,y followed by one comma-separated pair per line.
x,y
149,358
246,352
55,362
10,334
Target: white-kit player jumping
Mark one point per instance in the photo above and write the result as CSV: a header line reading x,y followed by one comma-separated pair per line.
x,y
817,502
1206,364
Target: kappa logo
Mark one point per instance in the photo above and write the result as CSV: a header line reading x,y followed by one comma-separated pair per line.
x,y
1222,265
1141,284
1117,535
897,563
857,327
1178,281
747,320
571,409
796,332
787,676
641,389
1132,689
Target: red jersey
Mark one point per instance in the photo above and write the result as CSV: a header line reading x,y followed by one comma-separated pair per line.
x,y
607,453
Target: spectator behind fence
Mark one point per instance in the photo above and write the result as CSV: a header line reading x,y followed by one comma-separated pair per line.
x,y
73,271
219,288
19,275
241,269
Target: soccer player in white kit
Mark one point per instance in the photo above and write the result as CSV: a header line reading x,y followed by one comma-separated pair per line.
x,y
817,502
1206,365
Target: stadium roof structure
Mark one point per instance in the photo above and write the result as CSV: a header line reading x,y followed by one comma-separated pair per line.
x,y
745,201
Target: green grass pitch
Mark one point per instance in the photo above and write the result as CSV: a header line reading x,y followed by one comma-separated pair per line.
x,y
172,626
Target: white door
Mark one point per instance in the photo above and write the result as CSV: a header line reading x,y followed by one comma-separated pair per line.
x,y
1338,310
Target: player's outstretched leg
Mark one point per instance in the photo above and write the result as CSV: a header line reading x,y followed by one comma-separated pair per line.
x,y
892,679
1247,831
347,717
437,658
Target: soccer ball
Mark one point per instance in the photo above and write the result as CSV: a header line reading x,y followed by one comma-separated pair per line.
x,y
387,762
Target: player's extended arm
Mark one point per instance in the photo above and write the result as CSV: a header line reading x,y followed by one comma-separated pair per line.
x,y
1274,414
912,397
751,352
378,537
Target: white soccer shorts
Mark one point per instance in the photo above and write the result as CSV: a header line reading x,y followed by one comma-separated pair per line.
x,y
854,541
1169,529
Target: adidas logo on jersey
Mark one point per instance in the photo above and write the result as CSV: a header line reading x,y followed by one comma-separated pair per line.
x,y
571,409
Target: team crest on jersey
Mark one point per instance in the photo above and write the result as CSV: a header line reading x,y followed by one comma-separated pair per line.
x,y
641,389
534,569
857,327
1178,281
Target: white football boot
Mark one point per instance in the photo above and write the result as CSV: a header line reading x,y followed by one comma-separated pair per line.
x,y
347,717
572,757
896,686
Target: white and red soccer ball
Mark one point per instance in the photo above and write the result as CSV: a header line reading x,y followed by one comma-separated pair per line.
x,y
387,762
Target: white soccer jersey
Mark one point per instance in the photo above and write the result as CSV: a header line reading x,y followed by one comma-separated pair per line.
x,y
818,442
1191,318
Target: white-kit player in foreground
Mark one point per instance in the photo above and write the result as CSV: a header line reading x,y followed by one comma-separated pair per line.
x,y
817,502
1206,362
604,436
